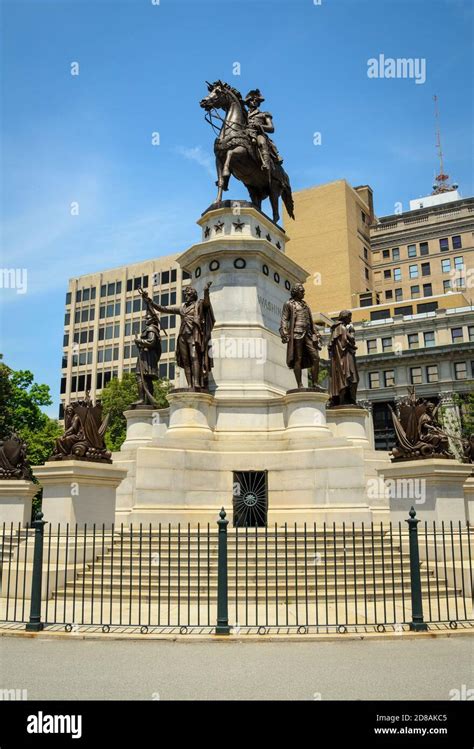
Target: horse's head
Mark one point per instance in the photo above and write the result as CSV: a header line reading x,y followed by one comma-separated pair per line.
x,y
216,98
220,96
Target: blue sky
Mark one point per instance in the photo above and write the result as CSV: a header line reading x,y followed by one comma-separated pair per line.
x,y
87,138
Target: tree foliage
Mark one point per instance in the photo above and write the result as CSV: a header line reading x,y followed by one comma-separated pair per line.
x,y
21,403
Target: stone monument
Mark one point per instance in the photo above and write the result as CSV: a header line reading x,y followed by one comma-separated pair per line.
x,y
79,483
17,488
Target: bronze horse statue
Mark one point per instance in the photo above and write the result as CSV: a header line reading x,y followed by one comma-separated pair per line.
x,y
237,154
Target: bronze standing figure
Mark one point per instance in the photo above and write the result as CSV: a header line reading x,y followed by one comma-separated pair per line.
x,y
344,377
194,338
298,331
148,344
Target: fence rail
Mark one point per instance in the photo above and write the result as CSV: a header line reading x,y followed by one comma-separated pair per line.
x,y
306,578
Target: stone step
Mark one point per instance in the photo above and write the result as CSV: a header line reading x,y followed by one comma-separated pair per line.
x,y
311,557
291,594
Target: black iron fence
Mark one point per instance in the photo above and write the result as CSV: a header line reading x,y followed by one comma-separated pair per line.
x,y
212,578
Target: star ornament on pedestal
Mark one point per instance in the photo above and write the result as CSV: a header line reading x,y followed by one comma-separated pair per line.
x,y
258,231
219,226
238,225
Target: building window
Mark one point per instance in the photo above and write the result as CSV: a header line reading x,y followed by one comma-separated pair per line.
x,y
385,253
427,289
446,286
424,249
372,346
415,292
429,338
470,332
366,253
363,217
459,263
444,244
380,314
457,335
397,274
413,340
425,269
395,253
68,297
387,274
130,284
446,265
389,378
398,294
389,294
406,310
460,370
416,377
456,240
432,373
387,343
413,269
374,380
427,307
412,250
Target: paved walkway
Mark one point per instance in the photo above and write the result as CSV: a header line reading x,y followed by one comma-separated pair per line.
x,y
91,669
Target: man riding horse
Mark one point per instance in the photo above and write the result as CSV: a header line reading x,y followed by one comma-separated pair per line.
x,y
243,148
259,124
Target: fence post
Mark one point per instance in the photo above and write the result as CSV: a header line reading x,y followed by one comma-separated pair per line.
x,y
222,627
35,624
417,624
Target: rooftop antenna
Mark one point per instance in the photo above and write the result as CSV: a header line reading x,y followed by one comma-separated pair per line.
x,y
441,183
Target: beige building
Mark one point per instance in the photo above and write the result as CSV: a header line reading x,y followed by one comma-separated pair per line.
x,y
358,260
330,238
424,252
104,313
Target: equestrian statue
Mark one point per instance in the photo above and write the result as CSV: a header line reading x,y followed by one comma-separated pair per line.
x,y
244,149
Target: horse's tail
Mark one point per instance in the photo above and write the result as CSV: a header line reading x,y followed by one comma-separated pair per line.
x,y
287,198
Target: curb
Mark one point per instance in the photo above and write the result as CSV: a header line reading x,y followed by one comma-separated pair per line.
x,y
187,638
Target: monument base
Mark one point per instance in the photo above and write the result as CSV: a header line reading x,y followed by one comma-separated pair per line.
x,y
435,487
16,497
188,472
79,492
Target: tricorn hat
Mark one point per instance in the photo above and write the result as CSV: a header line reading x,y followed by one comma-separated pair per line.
x,y
254,94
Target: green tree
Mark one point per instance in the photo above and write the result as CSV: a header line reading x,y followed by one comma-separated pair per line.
x,y
117,397
21,401
466,404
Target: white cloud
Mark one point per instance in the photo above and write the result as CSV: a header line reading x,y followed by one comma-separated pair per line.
x,y
198,155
